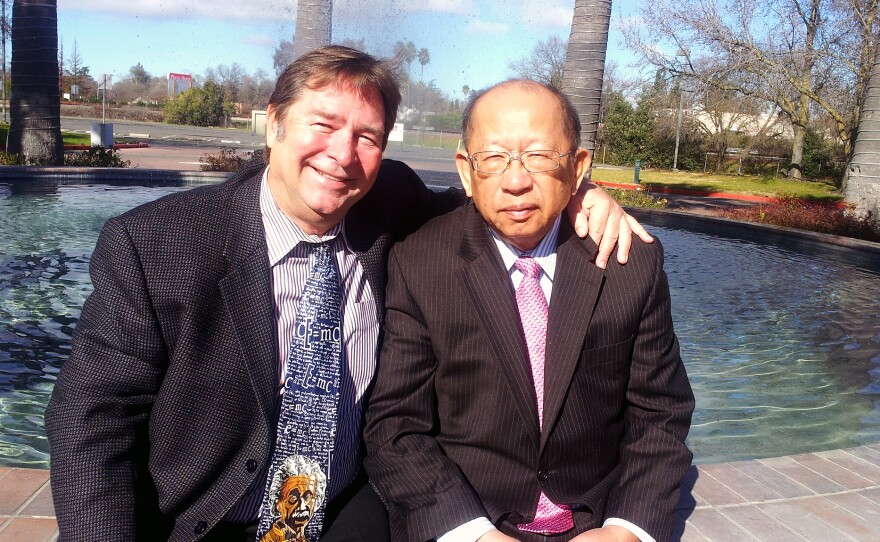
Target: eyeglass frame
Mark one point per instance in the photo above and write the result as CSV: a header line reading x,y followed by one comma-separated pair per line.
x,y
471,158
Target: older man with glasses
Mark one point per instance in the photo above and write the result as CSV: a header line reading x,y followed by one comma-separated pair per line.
x,y
523,393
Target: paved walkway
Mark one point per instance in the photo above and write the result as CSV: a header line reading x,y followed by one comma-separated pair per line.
x,y
825,496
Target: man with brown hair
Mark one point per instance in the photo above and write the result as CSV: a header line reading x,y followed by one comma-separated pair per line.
x,y
192,378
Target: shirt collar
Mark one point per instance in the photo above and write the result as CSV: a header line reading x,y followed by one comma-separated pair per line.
x,y
282,234
544,253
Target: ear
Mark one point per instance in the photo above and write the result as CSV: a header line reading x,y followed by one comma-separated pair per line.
x,y
271,125
464,171
582,163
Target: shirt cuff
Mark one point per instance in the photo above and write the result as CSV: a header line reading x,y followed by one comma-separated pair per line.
x,y
470,531
634,529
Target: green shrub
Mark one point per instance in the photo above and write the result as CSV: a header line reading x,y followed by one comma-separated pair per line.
x,y
227,160
96,157
7,159
198,107
637,198
795,213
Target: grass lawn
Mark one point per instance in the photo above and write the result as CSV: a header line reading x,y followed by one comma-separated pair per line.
x,y
735,184
68,137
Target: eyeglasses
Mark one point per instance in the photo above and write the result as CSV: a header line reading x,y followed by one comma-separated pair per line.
x,y
497,162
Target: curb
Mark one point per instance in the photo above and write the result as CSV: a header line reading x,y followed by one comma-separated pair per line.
x,y
114,146
710,194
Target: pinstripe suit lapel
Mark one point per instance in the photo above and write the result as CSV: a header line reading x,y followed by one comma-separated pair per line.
x,y
576,288
247,294
492,295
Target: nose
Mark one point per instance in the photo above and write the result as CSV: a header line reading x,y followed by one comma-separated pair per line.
x,y
341,147
516,179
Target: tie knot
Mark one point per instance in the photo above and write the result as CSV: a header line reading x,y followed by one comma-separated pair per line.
x,y
528,267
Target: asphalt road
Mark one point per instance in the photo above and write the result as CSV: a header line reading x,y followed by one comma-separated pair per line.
x,y
180,147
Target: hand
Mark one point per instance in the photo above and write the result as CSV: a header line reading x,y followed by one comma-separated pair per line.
x,y
495,536
610,533
592,211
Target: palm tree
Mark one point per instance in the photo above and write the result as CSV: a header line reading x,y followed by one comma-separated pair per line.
x,y
424,58
314,21
585,64
35,113
862,177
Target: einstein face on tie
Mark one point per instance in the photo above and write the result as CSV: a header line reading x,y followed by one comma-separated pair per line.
x,y
297,501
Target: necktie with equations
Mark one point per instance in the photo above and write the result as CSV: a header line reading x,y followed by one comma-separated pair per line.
x,y
296,488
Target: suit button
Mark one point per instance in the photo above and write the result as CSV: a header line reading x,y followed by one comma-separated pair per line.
x,y
542,475
200,527
251,465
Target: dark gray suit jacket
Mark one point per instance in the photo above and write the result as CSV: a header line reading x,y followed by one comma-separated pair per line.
x,y
452,427
164,414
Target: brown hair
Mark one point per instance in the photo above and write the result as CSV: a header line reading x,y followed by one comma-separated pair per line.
x,y
571,123
335,64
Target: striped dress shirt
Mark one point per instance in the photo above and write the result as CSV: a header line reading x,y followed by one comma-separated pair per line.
x,y
290,261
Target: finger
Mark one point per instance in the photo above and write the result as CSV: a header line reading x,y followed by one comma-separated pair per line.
x,y
601,218
624,242
609,237
639,230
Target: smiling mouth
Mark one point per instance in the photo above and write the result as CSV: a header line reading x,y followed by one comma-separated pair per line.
x,y
330,177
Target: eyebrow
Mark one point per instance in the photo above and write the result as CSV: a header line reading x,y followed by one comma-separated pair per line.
x,y
378,132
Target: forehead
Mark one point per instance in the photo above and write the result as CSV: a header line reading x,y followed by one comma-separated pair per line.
x,y
339,96
517,110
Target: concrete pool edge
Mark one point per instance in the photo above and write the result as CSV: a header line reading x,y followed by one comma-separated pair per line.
x,y
830,495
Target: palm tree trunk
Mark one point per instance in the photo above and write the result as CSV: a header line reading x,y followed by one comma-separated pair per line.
x,y
314,21
35,113
862,177
585,64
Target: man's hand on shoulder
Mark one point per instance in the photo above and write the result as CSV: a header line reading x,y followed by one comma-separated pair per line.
x,y
496,536
592,211
609,533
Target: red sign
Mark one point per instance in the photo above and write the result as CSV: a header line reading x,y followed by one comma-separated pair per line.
x,y
179,77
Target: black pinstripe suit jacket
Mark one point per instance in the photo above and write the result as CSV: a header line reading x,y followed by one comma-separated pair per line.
x,y
165,411
452,428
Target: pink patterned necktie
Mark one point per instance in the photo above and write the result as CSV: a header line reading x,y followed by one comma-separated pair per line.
x,y
549,518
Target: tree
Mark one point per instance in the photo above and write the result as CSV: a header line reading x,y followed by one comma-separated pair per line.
x,y
314,21
796,54
862,176
199,106
139,75
424,58
545,63
627,130
466,91
283,56
229,77
77,75
585,64
35,121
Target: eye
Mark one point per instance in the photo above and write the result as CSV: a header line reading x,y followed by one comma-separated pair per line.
x,y
322,127
368,139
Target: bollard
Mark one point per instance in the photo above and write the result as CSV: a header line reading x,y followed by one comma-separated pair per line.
x,y
636,171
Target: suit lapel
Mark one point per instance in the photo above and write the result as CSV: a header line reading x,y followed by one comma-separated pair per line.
x,y
488,285
576,288
247,294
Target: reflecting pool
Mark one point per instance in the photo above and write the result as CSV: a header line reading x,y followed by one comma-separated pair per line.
x,y
782,345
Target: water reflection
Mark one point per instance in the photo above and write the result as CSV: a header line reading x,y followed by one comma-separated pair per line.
x,y
778,346
47,233
783,349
